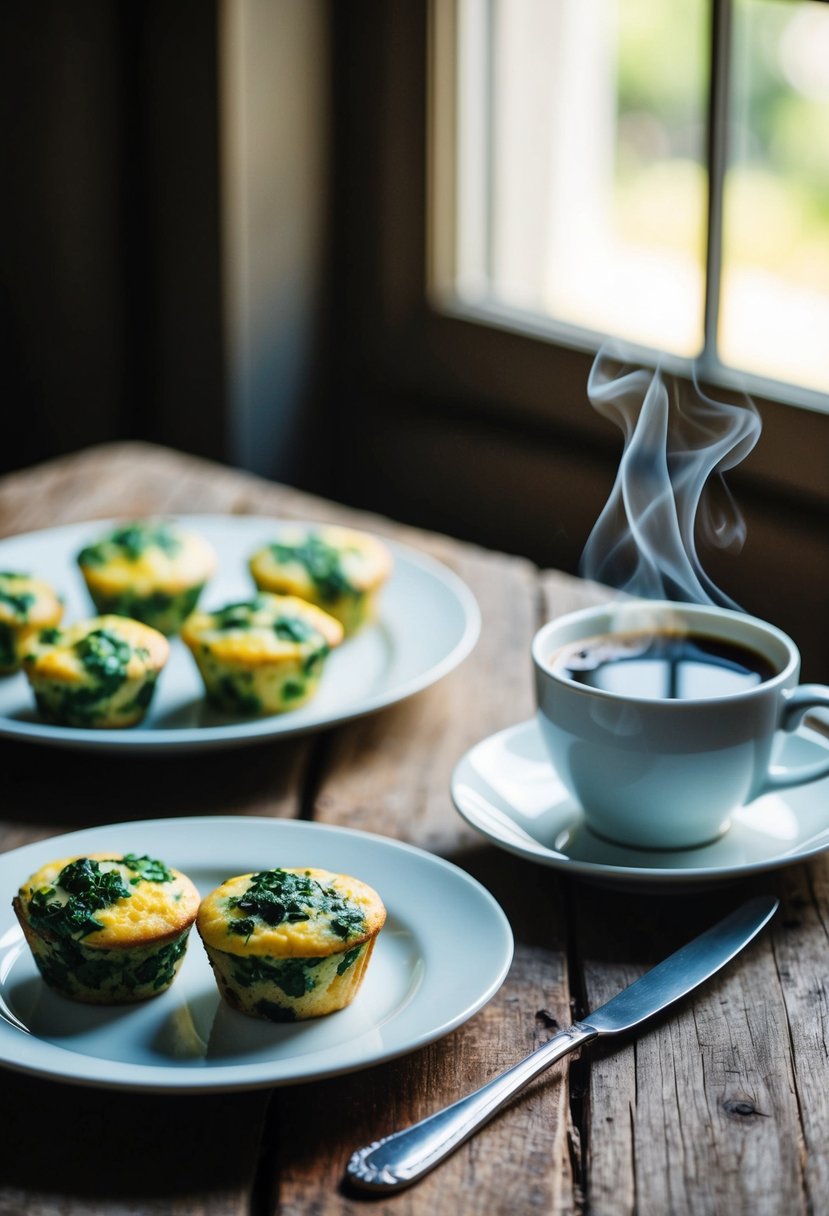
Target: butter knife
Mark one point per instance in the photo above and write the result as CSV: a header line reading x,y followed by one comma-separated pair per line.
x,y
404,1157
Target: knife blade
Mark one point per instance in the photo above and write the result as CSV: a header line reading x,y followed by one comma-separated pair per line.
x,y
398,1160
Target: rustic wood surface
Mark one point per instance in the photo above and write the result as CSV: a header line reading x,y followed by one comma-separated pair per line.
x,y
721,1107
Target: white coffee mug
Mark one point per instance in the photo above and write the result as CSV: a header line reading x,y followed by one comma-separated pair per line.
x,y
666,772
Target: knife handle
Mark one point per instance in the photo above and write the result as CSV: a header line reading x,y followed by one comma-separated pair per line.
x,y
404,1157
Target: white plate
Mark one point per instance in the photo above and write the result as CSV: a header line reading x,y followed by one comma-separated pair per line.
x,y
507,789
443,953
427,623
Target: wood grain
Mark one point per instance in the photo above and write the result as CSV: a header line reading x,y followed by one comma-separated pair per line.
x,y
703,1104
391,774
720,1106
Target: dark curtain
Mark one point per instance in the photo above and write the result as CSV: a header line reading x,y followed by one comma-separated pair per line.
x,y
110,323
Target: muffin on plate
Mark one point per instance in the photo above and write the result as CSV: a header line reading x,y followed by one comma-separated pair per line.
x,y
99,673
149,570
290,944
339,569
107,929
27,605
261,656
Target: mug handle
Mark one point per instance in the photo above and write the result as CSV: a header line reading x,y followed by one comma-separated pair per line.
x,y
797,703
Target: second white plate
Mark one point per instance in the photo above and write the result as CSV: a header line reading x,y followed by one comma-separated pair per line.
x,y
428,622
442,954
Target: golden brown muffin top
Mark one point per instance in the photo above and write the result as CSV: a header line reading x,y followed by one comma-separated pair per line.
x,y
110,900
290,913
264,629
144,556
25,600
95,648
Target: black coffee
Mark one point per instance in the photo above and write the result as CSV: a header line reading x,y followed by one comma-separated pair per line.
x,y
669,665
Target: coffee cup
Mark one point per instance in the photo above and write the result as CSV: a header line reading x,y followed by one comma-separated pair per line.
x,y
662,718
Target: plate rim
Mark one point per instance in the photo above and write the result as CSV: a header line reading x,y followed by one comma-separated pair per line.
x,y
256,730
64,1065
658,877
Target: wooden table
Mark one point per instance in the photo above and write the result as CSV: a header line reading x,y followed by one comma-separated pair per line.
x,y
721,1107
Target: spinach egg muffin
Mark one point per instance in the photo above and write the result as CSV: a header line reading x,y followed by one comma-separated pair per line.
x,y
150,570
340,570
27,605
290,944
107,929
261,656
99,673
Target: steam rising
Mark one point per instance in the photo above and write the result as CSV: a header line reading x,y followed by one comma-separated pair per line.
x,y
670,485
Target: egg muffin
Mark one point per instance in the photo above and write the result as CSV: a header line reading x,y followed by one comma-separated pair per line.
x,y
340,570
27,605
149,570
261,656
100,672
290,944
107,929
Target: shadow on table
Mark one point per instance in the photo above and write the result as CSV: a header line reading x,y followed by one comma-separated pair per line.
x,y
594,922
90,1143
68,789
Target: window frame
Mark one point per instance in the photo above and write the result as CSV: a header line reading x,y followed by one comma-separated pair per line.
x,y
444,91
400,333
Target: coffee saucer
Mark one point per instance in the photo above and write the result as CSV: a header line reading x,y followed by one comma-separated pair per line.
x,y
506,788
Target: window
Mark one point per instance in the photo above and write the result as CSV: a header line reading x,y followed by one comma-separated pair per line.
x,y
654,171
462,400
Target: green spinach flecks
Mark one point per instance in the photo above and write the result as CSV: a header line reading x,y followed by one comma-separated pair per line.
x,y
146,869
323,564
89,889
19,602
274,1012
277,896
294,629
8,649
314,660
131,541
349,959
238,615
294,976
104,654
71,966
229,696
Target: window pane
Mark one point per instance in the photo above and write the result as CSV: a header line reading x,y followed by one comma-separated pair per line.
x,y
582,186
774,315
